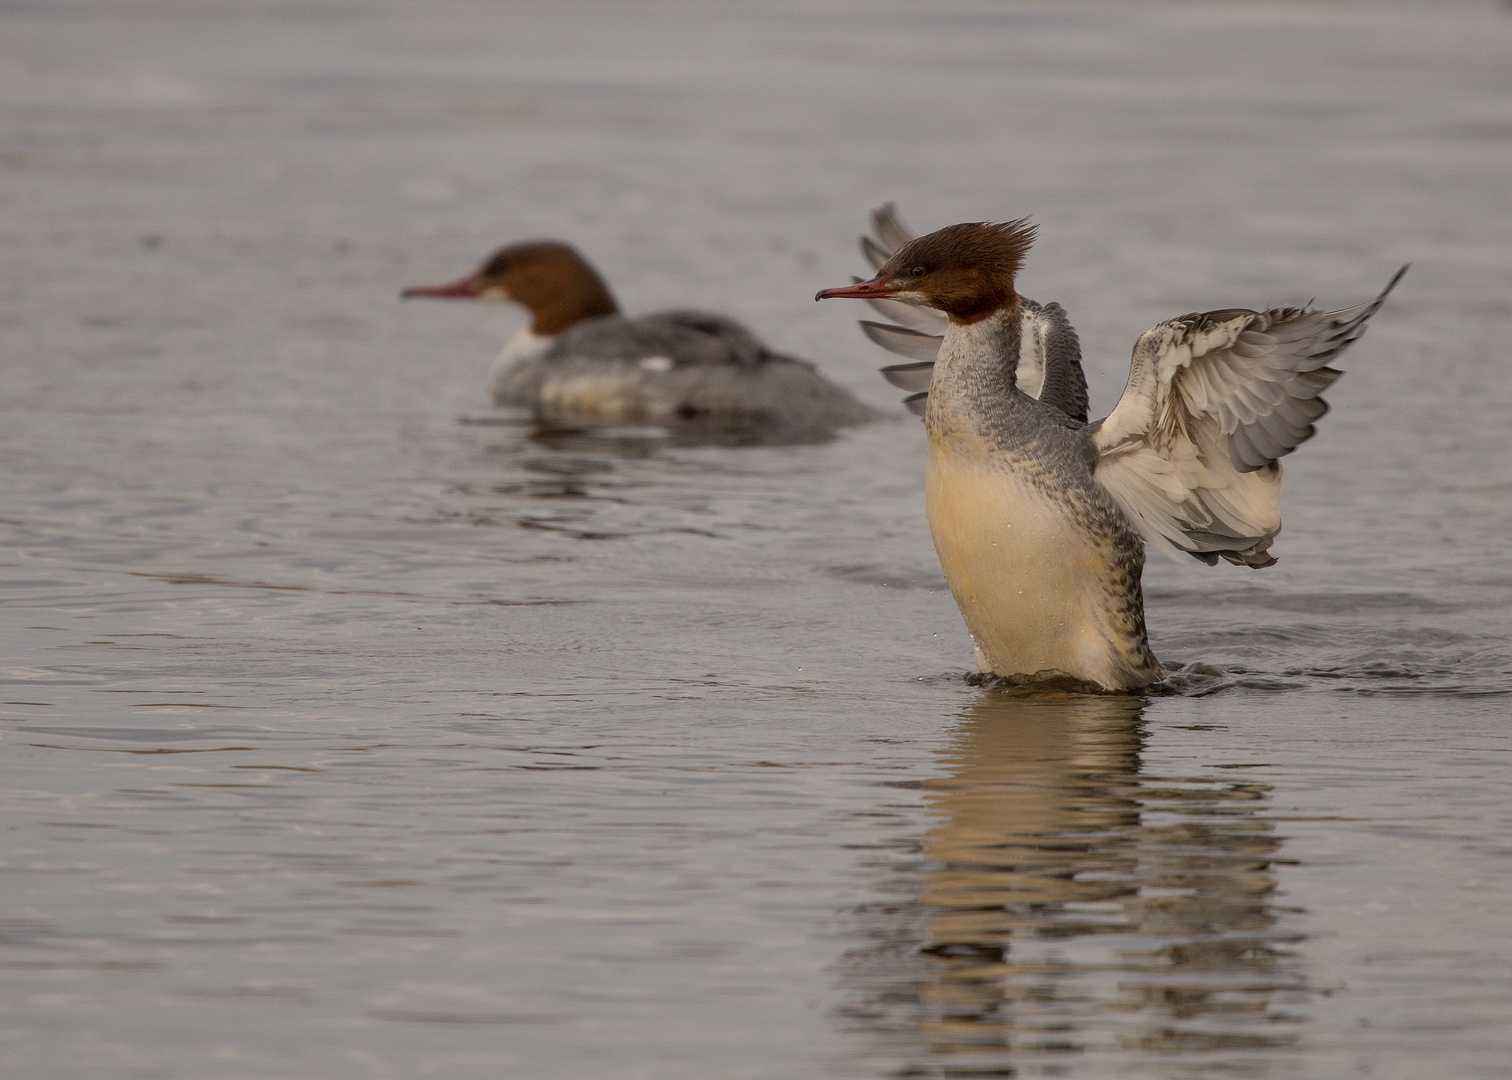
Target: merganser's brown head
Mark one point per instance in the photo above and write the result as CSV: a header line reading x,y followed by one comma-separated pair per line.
x,y
966,270
548,277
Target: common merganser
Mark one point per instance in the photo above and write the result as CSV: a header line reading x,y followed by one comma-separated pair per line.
x,y
580,358
1037,518
1049,360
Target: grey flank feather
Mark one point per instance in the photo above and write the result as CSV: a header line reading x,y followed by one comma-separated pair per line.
x,y
924,320
872,252
914,378
890,228
904,342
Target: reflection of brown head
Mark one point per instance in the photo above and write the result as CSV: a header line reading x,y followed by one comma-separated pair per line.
x,y
548,277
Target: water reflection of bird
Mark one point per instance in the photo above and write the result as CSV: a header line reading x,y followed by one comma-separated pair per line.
x,y
1040,520
1069,904
580,358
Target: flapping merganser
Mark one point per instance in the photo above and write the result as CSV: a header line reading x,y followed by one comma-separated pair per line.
x,y
580,358
1049,358
1040,520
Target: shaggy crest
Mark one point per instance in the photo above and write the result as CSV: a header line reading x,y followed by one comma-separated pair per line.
x,y
966,270
995,247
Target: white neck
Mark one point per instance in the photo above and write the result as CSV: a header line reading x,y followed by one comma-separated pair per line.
x,y
523,347
977,363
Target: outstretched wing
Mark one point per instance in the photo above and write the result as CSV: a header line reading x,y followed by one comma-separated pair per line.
x,y
1049,365
1213,400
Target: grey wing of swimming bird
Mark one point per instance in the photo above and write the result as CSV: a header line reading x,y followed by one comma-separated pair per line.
x,y
1049,366
680,337
741,346
1213,400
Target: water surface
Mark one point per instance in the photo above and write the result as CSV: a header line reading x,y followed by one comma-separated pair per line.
x,y
354,728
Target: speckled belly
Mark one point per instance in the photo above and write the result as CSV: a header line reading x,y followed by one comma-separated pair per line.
x,y
1040,591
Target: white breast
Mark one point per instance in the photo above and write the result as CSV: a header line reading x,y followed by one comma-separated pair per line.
x,y
522,347
1030,580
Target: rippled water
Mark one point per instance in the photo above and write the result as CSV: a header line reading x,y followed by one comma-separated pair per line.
x,y
353,728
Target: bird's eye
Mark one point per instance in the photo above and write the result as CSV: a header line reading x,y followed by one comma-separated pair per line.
x,y
917,271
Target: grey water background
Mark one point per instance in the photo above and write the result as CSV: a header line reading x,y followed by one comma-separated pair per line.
x,y
354,728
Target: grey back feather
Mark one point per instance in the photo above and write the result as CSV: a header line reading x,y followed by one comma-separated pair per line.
x,y
683,337
1065,384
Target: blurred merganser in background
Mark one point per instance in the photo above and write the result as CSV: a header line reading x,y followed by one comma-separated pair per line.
x,y
1049,358
1039,519
581,359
